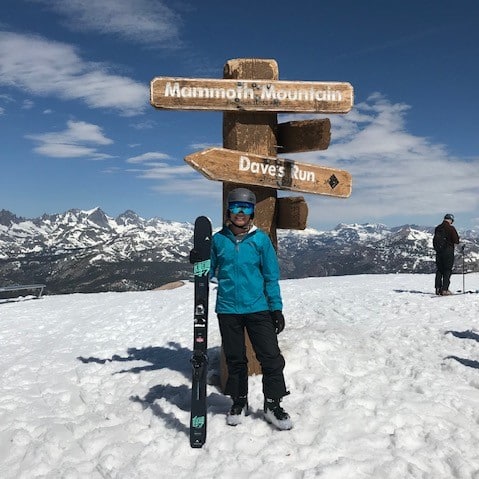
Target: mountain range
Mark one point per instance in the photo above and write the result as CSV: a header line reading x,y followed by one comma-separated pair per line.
x,y
89,251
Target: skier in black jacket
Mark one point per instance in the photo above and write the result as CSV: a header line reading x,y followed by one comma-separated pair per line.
x,y
445,237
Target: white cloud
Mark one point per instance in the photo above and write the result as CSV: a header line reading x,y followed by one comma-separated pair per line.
x,y
194,187
148,157
163,171
27,104
5,99
112,170
143,125
395,173
147,22
48,68
73,142
66,150
203,146
77,131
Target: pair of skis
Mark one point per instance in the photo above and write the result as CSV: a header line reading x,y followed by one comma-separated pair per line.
x,y
459,292
200,258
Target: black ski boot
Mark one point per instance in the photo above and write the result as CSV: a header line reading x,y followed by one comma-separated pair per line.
x,y
237,411
276,415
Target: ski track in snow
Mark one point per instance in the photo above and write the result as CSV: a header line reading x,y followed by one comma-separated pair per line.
x,y
384,381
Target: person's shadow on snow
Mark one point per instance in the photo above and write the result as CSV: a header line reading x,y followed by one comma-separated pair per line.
x,y
414,291
465,335
179,396
466,362
176,358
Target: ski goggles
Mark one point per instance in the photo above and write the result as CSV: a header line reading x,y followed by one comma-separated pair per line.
x,y
237,207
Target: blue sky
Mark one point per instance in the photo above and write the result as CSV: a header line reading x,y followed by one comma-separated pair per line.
x,y
77,129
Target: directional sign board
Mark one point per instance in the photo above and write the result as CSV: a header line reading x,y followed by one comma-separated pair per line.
x,y
251,95
234,166
303,135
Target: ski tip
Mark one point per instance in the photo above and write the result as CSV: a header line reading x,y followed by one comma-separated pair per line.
x,y
202,218
196,445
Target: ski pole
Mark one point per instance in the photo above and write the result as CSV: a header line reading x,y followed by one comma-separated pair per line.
x,y
463,272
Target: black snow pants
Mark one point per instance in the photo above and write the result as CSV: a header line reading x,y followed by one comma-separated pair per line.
x,y
265,344
444,265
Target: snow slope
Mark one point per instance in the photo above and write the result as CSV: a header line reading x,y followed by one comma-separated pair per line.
x,y
384,381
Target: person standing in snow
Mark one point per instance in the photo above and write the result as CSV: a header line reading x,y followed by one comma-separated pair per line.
x,y
245,264
445,237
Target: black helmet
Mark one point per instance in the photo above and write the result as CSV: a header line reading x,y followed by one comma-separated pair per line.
x,y
449,216
242,194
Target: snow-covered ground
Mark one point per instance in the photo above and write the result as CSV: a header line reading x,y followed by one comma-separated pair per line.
x,y
384,381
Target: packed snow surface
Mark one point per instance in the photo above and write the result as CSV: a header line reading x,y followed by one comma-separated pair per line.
x,y
384,381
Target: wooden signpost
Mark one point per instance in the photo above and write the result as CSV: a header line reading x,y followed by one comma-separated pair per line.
x,y
250,95
234,166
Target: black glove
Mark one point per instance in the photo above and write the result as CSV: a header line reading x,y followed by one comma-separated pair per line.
x,y
278,320
194,256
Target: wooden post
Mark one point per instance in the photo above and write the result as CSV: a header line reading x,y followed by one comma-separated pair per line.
x,y
250,96
253,133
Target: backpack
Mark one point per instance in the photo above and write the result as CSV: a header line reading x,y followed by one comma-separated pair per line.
x,y
439,242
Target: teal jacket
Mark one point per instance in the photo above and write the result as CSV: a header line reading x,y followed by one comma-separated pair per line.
x,y
247,271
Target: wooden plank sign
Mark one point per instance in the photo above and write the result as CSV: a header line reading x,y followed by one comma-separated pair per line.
x,y
292,213
304,135
251,95
233,166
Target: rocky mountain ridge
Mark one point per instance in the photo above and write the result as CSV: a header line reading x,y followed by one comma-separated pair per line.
x,y
89,251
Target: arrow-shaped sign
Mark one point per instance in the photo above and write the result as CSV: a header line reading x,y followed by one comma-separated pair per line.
x,y
234,166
